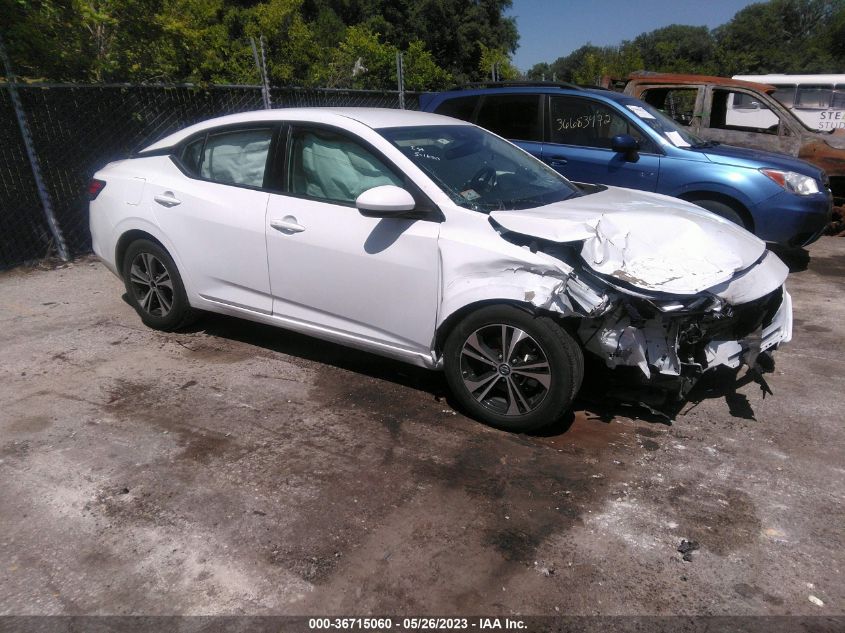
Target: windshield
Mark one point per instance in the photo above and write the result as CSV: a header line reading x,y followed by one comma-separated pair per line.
x,y
668,129
478,170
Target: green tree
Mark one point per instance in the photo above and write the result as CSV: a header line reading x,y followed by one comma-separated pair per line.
x,y
291,46
498,60
609,61
565,68
421,71
32,30
449,29
540,72
192,45
783,36
779,36
362,60
678,48
208,40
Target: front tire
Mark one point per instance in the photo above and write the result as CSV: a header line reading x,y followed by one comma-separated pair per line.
x,y
512,369
154,287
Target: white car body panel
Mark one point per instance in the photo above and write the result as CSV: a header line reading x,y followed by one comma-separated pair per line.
x,y
388,285
371,278
225,251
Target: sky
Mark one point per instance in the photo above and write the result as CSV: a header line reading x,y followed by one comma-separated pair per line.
x,y
549,29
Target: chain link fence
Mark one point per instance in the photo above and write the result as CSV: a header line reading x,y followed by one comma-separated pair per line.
x,y
76,129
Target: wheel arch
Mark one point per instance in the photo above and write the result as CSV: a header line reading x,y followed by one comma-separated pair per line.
x,y
715,196
133,235
569,323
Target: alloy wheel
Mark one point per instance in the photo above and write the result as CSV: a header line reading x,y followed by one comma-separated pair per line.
x,y
505,369
152,285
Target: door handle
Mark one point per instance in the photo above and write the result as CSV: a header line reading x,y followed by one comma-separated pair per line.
x,y
287,225
167,199
557,161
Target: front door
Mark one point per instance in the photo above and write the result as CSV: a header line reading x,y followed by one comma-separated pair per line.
x,y
579,145
743,118
333,269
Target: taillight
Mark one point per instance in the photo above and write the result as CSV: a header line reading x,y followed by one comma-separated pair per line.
x,y
95,187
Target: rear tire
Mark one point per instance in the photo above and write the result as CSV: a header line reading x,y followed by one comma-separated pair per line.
x,y
721,209
511,369
155,287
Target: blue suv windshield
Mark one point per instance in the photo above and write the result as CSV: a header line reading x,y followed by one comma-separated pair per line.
x,y
665,126
478,170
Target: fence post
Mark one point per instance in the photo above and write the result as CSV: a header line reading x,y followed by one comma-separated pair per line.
x,y
400,79
261,65
43,194
266,81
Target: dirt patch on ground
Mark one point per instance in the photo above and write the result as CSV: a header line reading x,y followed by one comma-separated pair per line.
x,y
236,468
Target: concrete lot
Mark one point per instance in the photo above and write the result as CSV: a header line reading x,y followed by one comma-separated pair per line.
x,y
240,469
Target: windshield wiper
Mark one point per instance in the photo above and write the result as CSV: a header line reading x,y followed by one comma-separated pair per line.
x,y
704,144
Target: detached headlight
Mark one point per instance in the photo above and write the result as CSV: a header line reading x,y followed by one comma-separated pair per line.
x,y
794,182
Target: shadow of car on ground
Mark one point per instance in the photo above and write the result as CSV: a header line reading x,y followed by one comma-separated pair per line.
x,y
601,397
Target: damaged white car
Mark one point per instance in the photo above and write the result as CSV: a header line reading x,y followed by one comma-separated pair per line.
x,y
432,241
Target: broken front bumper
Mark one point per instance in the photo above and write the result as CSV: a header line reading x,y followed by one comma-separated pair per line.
x,y
734,353
687,344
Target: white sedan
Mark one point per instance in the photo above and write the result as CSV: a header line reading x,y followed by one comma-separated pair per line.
x,y
435,242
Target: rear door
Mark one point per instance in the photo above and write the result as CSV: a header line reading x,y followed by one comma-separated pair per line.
x,y
214,210
579,146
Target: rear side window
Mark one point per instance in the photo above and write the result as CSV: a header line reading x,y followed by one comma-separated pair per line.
x,y
515,117
460,108
813,97
838,100
237,158
677,103
786,95
741,112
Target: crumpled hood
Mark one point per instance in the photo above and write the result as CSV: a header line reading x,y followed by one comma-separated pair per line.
x,y
648,240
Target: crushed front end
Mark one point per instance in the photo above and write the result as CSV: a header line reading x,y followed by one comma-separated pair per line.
x,y
670,339
659,285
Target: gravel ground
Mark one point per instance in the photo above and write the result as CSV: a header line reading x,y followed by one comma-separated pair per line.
x,y
241,469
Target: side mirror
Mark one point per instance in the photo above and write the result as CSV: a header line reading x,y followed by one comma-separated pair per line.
x,y
625,144
384,202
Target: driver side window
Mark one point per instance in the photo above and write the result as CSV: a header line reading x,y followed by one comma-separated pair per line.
x,y
741,112
588,123
332,167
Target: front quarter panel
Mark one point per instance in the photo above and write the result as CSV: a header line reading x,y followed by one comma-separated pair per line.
x,y
682,177
479,265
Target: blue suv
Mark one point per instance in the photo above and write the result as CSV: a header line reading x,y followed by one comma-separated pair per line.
x,y
603,137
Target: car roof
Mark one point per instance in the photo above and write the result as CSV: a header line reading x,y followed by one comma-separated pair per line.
x,y
538,88
375,118
679,78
